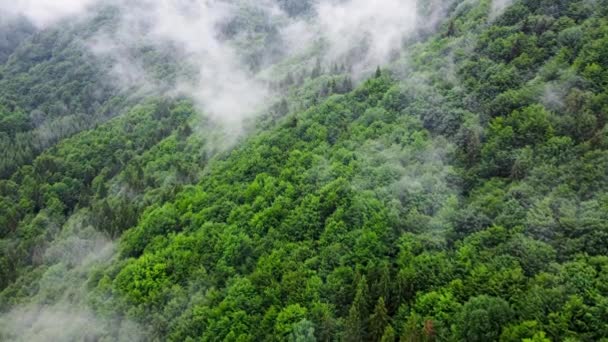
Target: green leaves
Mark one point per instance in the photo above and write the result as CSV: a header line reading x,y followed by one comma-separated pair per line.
x,y
483,318
463,201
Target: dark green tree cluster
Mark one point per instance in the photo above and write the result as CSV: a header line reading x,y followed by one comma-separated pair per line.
x,y
77,173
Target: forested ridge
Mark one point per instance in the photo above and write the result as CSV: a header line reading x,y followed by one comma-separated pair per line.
x,y
457,193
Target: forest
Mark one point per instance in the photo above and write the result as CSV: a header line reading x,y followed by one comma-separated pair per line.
x,y
456,190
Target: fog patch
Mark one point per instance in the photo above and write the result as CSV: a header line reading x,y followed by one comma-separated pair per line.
x,y
59,309
43,13
363,34
498,7
208,68
61,322
377,26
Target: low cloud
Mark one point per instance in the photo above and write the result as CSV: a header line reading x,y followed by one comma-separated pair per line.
x,y
212,67
363,34
61,322
43,13
498,7
214,75
378,27
59,310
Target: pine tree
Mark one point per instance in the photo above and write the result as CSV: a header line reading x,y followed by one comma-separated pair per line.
x,y
324,91
411,330
389,334
282,108
378,72
379,320
335,69
347,85
184,131
289,79
451,29
317,71
357,314
382,284
354,325
333,88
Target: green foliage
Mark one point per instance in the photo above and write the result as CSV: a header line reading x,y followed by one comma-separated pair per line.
x,y
464,202
483,318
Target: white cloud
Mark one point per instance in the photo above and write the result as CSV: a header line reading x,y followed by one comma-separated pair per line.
x,y
379,25
498,7
44,12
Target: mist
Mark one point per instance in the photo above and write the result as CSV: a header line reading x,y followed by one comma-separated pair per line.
x,y
363,34
60,311
222,86
379,27
213,68
498,7
61,322
43,13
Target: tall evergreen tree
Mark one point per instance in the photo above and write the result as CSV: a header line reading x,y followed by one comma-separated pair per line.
x,y
356,322
378,321
389,334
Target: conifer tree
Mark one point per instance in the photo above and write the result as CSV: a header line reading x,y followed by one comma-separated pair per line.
x,y
379,320
357,315
389,334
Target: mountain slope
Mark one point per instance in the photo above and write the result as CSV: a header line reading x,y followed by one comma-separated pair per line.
x,y
457,194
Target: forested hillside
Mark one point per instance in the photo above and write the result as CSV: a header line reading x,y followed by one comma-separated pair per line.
x,y
458,191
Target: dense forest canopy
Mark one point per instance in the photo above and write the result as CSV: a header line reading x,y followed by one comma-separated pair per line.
x,y
281,170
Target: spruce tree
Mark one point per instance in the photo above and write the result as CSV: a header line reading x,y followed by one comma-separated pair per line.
x,y
356,321
389,334
379,320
